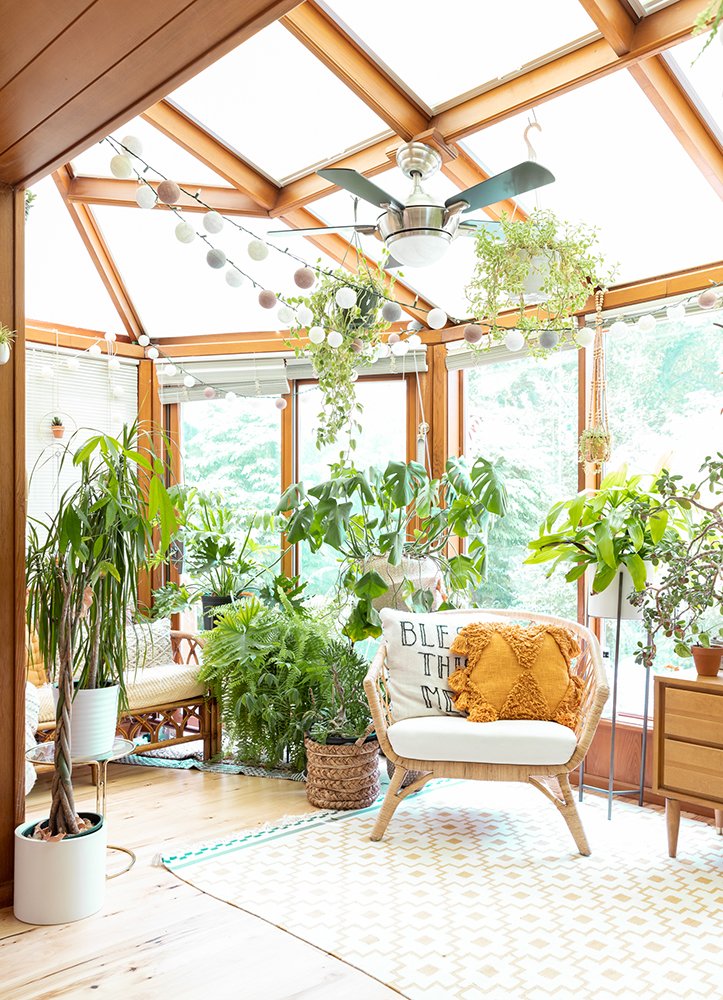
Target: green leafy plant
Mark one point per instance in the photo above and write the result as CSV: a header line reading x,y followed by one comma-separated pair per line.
x,y
397,512
710,18
361,327
57,422
594,445
564,254
7,336
346,713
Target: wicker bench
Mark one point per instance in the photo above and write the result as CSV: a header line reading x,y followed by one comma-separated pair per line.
x,y
165,703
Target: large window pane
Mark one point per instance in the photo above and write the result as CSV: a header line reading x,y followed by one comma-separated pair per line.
x,y
524,412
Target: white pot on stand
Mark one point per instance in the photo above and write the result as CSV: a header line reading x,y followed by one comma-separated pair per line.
x,y
93,721
60,881
605,604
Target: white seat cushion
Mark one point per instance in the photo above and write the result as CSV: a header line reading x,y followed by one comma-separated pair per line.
x,y
505,742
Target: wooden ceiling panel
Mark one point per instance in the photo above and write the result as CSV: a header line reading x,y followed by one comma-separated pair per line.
x,y
49,20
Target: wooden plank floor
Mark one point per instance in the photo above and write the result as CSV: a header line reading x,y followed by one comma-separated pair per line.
x,y
157,938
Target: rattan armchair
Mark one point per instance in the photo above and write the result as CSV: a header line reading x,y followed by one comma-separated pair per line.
x,y
588,666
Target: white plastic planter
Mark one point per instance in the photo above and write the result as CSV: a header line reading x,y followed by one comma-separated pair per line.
x,y
605,604
61,881
424,574
93,720
4,353
539,269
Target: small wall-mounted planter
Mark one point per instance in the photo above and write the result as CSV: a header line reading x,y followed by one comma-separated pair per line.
x,y
58,430
4,353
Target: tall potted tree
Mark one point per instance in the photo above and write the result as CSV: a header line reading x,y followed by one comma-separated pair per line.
x,y
83,566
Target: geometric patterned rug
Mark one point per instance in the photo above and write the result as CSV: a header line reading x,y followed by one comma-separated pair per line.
x,y
477,891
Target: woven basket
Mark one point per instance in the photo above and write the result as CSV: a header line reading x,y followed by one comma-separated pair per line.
x,y
342,776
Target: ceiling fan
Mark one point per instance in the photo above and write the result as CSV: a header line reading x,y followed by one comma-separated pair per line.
x,y
418,232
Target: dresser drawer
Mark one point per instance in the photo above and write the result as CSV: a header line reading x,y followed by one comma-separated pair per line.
x,y
688,767
693,715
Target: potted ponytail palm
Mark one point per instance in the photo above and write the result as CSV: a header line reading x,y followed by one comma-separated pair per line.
x,y
83,564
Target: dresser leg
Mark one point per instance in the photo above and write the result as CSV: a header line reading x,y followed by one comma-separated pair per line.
x,y
719,822
672,817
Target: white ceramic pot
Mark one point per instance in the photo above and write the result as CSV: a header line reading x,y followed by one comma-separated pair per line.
x,y
93,720
605,604
425,574
4,353
539,268
60,881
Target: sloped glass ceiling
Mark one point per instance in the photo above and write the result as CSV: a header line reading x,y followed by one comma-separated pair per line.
x,y
620,168
278,105
701,75
443,50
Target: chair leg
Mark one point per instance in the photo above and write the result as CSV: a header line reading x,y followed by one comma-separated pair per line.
x,y
572,818
395,794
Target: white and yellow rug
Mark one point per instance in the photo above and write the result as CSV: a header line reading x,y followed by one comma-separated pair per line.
x,y
477,891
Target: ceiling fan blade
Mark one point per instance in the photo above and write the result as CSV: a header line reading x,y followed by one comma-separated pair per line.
x,y
359,185
526,176
365,230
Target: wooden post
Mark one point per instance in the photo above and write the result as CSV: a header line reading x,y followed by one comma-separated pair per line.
x,y
289,438
12,534
150,427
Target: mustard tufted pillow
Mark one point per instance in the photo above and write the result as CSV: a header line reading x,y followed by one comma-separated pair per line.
x,y
516,672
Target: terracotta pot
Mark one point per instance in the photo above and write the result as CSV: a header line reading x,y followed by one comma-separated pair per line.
x,y
707,659
58,430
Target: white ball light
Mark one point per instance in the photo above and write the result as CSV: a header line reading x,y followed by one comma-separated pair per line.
x,y
152,353
257,250
146,197
306,316
189,381
118,391
144,340
216,258
94,349
185,233
73,364
120,166
436,318
230,396
133,144
414,340
110,337
646,323
334,339
280,403
212,222
345,298
585,336
353,375
113,364
317,335
46,373
514,341
234,278
400,348
285,314
383,351
618,329
676,312
169,371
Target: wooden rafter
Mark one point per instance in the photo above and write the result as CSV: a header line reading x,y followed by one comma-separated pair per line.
x,y
111,191
686,282
206,147
320,33
680,114
614,22
77,338
92,237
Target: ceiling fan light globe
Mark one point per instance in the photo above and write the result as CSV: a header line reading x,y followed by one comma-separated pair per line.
x,y
419,249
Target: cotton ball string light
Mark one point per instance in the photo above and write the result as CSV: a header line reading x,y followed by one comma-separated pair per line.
x,y
391,312
73,364
707,299
94,349
305,316
185,233
414,340
189,381
304,277
353,375
357,344
585,336
285,315
133,144
209,392
146,197
334,339
345,298
393,338
144,340
383,351
212,222
647,323
120,166
618,329
267,299
230,396
118,391
234,278
46,373
169,371
110,337
152,353
549,339
436,318
676,312
400,348
415,326
280,403
317,335
113,365
257,250
514,341
169,192
216,258
472,333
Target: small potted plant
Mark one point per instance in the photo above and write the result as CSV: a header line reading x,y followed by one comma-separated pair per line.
x,y
57,427
7,336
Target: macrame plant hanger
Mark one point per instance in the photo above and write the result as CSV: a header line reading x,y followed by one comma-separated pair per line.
x,y
595,439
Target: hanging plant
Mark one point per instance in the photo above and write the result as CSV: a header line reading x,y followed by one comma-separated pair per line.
x,y
540,262
710,18
595,441
344,326
7,336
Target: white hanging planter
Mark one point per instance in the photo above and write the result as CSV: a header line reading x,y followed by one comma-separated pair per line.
x,y
4,353
93,720
425,574
605,604
59,881
538,272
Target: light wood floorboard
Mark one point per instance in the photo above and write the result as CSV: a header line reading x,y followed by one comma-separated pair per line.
x,y
157,937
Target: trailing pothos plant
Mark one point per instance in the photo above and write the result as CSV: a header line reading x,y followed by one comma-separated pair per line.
x,y
397,512
564,256
360,327
710,18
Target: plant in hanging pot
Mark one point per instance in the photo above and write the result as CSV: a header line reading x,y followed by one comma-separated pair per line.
x,y
344,323
82,571
594,447
539,261
393,530
57,427
7,336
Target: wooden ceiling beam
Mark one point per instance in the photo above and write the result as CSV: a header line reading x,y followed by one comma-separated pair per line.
x,y
347,60
77,339
92,237
668,97
614,23
87,190
196,140
686,282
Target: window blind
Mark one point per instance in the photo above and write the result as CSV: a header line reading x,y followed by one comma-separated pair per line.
x,y
461,355
244,375
413,361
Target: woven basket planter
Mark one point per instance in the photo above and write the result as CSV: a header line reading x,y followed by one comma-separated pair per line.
x,y
342,775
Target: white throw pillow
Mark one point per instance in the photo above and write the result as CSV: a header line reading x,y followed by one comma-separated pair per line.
x,y
149,644
419,661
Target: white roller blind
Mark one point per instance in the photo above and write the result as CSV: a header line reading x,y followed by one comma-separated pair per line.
x,y
85,402
246,376
461,355
414,361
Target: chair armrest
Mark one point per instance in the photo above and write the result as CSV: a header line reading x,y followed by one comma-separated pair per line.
x,y
376,696
195,645
595,693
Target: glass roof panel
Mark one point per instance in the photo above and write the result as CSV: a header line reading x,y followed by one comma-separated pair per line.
x,y
278,105
160,152
174,289
634,184
702,76
61,283
500,40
